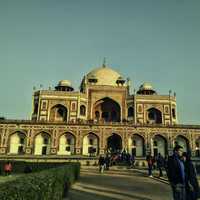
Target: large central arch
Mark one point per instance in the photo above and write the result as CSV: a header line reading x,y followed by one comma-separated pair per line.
x,y
114,143
107,110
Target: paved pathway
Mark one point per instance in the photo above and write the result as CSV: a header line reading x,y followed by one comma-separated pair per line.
x,y
118,184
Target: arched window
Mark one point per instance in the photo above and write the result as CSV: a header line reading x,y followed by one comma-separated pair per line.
x,y
82,110
58,113
154,116
130,112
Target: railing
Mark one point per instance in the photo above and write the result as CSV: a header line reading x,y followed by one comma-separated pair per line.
x,y
96,123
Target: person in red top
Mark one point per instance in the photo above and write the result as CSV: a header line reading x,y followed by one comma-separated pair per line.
x,y
149,160
8,168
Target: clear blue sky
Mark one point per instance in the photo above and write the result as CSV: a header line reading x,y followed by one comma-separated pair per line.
x,y
42,42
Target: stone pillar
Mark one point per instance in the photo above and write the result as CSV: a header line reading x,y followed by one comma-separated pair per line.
x,y
3,148
192,144
170,145
29,147
102,142
53,149
78,148
148,151
147,144
5,142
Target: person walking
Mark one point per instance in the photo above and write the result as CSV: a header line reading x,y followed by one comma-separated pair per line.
x,y
101,164
192,185
107,162
176,173
132,161
128,159
160,164
150,164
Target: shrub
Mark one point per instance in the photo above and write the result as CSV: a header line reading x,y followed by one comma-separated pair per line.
x,y
47,184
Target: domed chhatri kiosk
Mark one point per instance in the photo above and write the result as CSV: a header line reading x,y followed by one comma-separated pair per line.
x,y
103,116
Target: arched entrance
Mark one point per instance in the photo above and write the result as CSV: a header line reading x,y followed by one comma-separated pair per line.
x,y
107,110
114,143
136,145
159,145
17,143
90,145
66,144
154,116
42,144
58,113
182,141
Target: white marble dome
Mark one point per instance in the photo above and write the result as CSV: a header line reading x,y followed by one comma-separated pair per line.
x,y
104,76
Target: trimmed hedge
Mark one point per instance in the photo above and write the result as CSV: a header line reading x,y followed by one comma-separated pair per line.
x,y
44,185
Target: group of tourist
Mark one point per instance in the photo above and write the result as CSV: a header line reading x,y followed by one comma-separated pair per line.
x,y
112,159
179,168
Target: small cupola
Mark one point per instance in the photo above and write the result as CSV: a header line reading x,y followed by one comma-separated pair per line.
x,y
64,85
146,89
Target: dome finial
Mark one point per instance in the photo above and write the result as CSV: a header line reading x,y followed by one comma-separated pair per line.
x,y
104,63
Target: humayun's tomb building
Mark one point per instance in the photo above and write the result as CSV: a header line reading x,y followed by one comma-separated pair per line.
x,y
101,117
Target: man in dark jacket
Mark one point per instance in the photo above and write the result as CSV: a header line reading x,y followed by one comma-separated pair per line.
x,y
107,162
192,185
160,164
101,163
176,173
